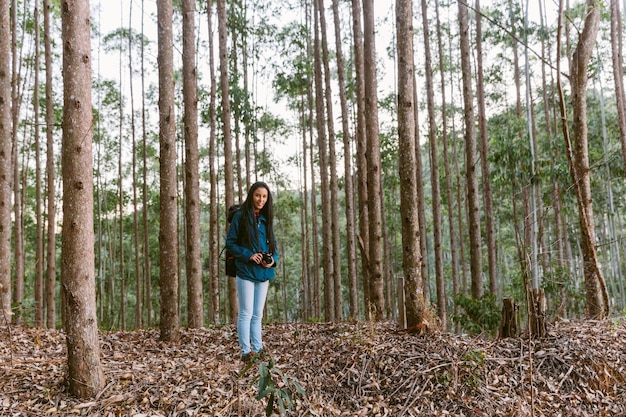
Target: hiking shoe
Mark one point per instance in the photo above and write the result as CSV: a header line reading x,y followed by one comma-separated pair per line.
x,y
247,358
263,355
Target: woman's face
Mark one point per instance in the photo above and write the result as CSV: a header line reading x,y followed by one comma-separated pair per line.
x,y
259,198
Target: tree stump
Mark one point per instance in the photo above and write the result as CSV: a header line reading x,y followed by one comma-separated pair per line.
x,y
508,324
537,317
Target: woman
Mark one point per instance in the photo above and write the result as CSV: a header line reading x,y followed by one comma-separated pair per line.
x,y
251,241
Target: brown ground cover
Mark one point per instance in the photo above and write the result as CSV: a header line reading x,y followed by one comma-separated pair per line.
x,y
346,369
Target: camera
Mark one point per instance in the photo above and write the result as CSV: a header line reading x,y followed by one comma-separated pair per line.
x,y
267,257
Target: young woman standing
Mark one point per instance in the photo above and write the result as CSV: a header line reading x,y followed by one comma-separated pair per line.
x,y
251,241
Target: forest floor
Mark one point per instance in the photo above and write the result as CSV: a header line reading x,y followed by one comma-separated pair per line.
x,y
345,369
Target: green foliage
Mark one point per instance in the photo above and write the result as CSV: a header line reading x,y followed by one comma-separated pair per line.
x,y
477,315
278,388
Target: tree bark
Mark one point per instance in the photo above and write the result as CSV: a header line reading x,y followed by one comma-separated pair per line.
x,y
228,147
214,261
471,159
361,148
348,177
618,73
50,176
5,163
85,373
377,300
595,286
411,252
434,175
192,184
168,214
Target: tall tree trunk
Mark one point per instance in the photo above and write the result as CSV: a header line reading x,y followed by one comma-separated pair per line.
x,y
144,193
578,154
51,269
411,253
228,148
214,279
39,255
348,177
490,232
192,183
5,163
168,216
85,373
322,144
377,301
18,212
361,148
471,159
120,200
618,73
332,166
137,246
434,174
454,261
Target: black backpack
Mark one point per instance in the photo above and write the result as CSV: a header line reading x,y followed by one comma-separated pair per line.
x,y
229,261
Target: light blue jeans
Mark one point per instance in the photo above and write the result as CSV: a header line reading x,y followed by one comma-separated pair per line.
x,y
251,297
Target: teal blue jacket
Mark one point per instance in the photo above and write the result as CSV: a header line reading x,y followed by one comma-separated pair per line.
x,y
247,269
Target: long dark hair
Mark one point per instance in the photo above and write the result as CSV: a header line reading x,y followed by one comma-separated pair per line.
x,y
248,233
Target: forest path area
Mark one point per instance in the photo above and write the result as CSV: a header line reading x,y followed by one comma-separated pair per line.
x,y
346,369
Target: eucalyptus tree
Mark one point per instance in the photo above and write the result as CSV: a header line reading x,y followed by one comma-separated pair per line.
x,y
411,252
193,251
454,261
578,157
471,159
322,148
348,177
618,73
442,304
214,280
168,212
50,177
5,162
39,251
16,177
332,169
85,372
484,157
361,148
375,254
228,148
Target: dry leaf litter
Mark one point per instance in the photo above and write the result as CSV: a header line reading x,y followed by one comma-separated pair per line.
x,y
346,369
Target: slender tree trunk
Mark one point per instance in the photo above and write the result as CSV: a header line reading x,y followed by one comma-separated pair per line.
x,y
85,373
192,190
361,148
434,174
228,148
39,255
168,242
348,177
332,166
144,193
5,163
618,73
120,201
214,271
490,229
50,176
322,145
595,286
471,159
377,301
18,212
411,253
454,261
